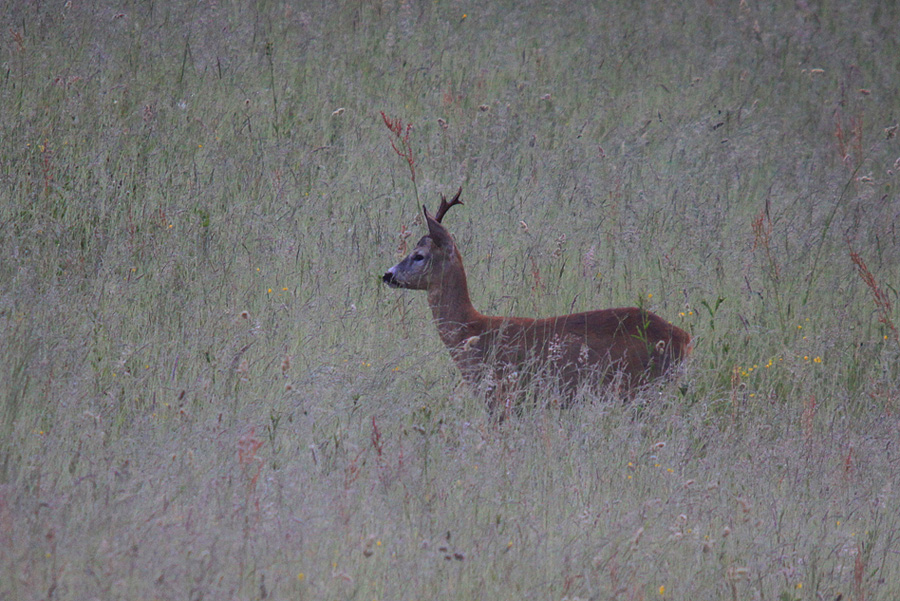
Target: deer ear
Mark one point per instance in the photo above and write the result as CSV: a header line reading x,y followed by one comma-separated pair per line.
x,y
438,233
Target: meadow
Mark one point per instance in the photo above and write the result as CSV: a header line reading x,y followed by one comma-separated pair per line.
x,y
206,392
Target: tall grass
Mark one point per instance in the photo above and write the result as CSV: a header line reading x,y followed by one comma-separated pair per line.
x,y
205,392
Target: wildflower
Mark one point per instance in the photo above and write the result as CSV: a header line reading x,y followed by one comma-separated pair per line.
x,y
662,590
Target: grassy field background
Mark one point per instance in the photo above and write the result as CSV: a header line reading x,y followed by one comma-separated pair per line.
x,y
207,393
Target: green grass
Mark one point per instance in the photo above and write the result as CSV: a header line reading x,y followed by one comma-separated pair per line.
x,y
206,391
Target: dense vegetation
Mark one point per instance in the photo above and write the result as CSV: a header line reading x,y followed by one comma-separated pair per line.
x,y
206,392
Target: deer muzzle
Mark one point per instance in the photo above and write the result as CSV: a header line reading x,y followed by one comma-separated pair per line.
x,y
389,279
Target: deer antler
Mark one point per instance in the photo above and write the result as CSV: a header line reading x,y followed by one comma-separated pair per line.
x,y
442,210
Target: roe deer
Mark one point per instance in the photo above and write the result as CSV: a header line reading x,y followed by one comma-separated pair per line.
x,y
625,348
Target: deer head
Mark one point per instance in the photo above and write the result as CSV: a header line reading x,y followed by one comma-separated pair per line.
x,y
435,257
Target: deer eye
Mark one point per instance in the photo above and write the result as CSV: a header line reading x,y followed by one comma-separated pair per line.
x,y
418,258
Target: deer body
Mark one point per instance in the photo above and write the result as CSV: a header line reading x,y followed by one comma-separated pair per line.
x,y
625,347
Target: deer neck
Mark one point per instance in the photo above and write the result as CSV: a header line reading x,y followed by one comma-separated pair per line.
x,y
452,309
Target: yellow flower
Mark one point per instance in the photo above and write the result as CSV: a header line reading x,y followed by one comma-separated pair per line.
x,y
662,590
301,576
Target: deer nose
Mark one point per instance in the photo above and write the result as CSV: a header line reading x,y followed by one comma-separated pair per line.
x,y
388,278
